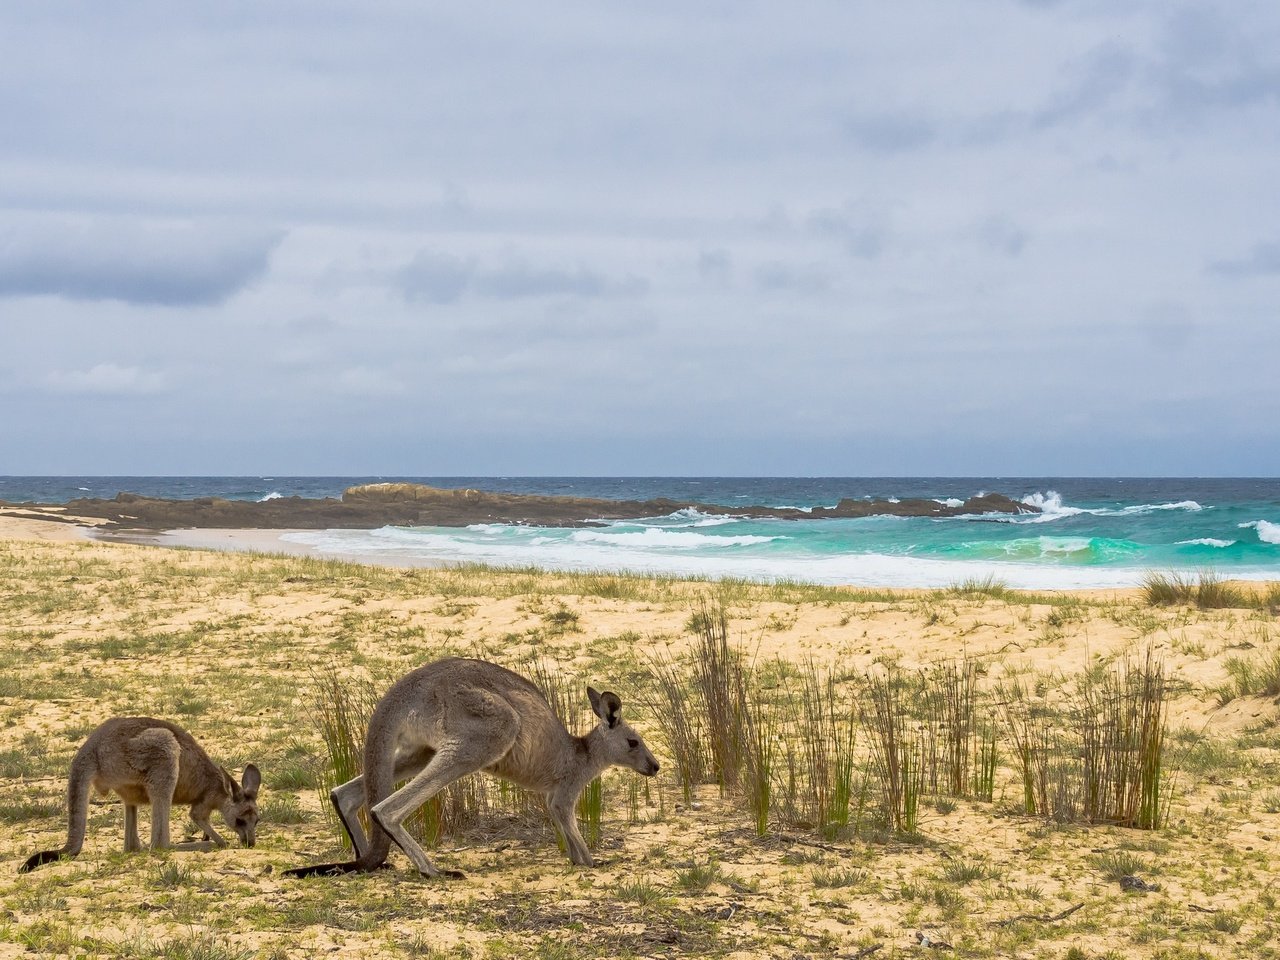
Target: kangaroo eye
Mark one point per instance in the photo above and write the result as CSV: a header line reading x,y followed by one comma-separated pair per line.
x,y
632,742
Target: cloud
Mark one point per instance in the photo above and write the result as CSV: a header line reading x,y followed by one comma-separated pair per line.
x,y
442,278
145,263
106,380
778,277
1091,83
715,267
363,381
1262,260
435,277
863,231
1003,236
891,132
516,279
1209,61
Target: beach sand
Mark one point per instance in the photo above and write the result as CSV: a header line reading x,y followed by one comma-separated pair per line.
x,y
232,646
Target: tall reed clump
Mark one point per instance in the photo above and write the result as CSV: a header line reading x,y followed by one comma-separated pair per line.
x,y
827,732
1100,758
758,734
738,723
898,747
340,710
1035,732
717,677
950,697
1121,720
672,704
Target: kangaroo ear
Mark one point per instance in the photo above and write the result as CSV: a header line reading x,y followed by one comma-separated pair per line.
x,y
612,707
606,706
251,780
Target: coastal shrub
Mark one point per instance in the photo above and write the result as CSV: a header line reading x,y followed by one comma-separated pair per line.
x,y
1167,589
989,586
1257,676
1213,593
1205,590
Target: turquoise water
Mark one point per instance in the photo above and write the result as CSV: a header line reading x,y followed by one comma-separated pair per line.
x,y
1093,532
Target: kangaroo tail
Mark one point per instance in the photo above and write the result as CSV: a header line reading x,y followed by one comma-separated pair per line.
x,y
379,781
78,786
326,869
40,859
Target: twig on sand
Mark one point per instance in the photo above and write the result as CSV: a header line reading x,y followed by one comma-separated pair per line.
x,y
1038,917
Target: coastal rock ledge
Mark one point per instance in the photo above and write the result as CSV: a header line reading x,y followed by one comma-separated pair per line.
x,y
413,505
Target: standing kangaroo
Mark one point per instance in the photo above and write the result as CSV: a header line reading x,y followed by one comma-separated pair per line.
x,y
456,716
153,761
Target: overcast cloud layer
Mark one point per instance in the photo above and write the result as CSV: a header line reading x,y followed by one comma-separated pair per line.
x,y
557,238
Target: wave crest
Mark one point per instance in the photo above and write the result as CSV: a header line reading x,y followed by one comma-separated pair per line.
x,y
1267,531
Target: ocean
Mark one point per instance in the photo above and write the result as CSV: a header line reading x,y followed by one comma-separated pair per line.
x,y
1092,532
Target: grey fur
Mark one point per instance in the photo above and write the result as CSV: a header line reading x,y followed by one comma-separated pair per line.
x,y
457,716
149,761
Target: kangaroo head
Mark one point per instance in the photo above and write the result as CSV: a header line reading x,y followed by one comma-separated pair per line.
x,y
623,747
240,810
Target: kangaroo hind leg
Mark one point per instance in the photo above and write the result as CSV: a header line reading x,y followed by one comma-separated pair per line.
x,y
348,798
155,753
483,729
131,842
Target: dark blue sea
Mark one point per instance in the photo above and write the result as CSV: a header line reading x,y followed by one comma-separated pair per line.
x,y
1092,532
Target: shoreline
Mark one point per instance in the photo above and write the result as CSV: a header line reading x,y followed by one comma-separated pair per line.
x,y
271,542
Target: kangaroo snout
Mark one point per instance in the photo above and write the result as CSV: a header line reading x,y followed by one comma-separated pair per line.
x,y
653,768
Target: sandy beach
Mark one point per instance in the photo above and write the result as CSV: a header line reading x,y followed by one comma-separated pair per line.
x,y
235,646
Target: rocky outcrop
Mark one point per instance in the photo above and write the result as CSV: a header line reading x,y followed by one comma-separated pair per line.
x,y
408,504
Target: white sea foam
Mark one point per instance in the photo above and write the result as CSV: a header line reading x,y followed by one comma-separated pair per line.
x,y
655,537
559,553
1052,508
950,502
1268,532
1064,545
1142,508
273,495
1206,542
701,519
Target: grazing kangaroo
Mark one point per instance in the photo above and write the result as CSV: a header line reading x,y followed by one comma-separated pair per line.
x,y
456,716
153,761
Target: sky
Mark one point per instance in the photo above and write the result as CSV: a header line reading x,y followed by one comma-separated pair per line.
x,y
976,239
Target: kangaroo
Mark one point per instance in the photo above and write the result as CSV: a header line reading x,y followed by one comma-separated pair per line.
x,y
453,717
153,761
